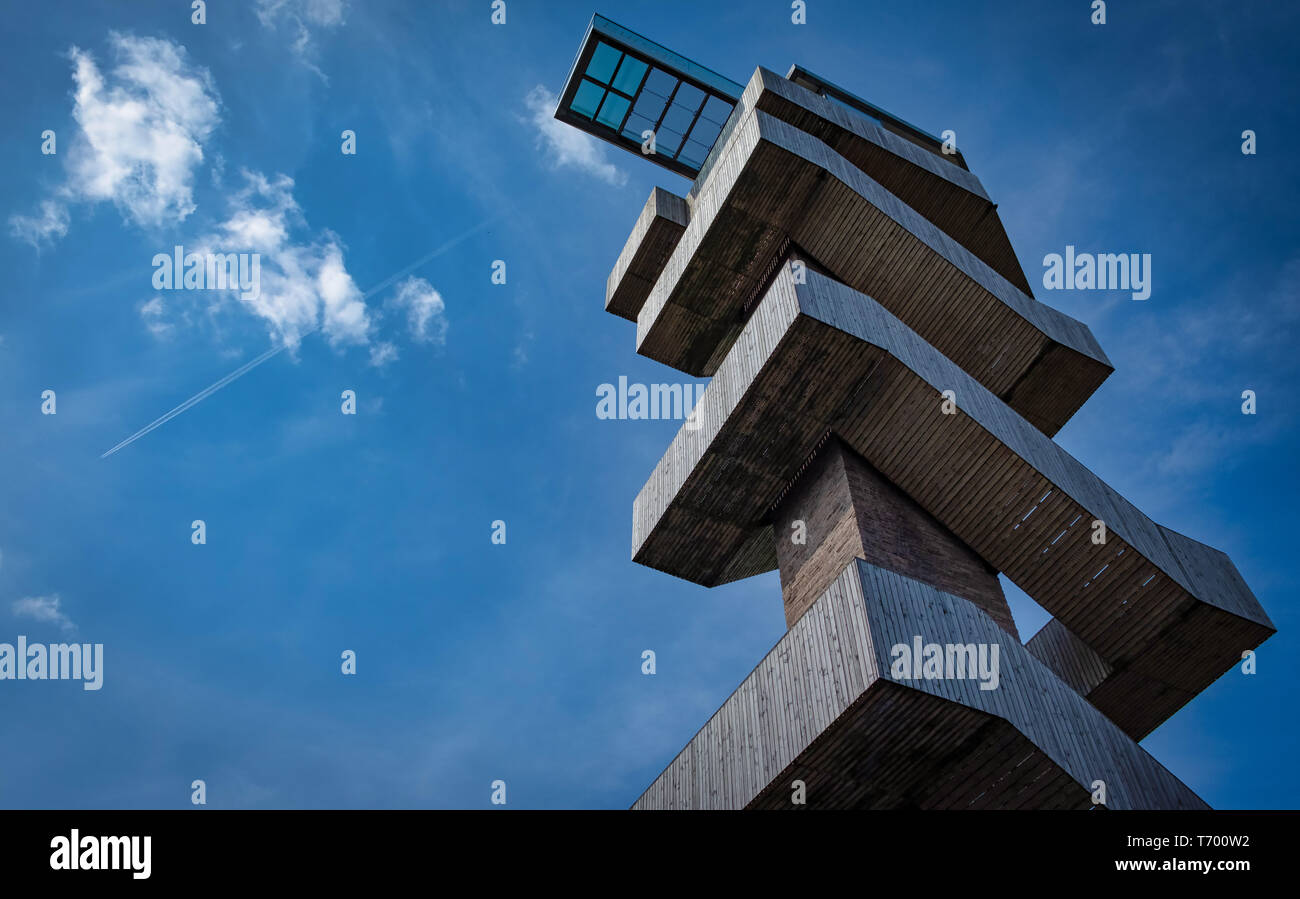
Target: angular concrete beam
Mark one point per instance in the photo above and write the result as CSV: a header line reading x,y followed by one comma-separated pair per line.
x,y
1127,694
818,357
824,707
946,194
1072,660
774,184
657,230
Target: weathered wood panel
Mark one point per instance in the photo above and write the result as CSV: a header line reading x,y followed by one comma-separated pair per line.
x,y
819,356
946,194
774,184
655,235
1069,657
835,718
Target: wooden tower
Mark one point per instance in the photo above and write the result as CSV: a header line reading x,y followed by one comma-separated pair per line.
x,y
878,428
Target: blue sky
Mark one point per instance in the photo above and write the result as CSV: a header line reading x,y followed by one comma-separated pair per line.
x,y
476,401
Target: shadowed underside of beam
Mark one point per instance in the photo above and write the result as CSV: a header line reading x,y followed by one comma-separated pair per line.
x,y
947,195
825,708
885,390
774,185
1167,614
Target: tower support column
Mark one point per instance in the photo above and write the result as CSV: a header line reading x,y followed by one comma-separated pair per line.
x,y
840,508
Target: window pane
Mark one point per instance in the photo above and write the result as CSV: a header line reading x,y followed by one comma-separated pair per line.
x,y
716,110
637,124
603,62
587,99
650,106
689,96
629,75
679,117
704,132
693,153
612,112
667,141
660,82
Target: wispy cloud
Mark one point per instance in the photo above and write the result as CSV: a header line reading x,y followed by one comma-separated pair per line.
x,y
45,609
47,226
382,353
425,311
1228,331
152,312
139,142
303,18
305,284
379,353
564,145
139,138
1203,445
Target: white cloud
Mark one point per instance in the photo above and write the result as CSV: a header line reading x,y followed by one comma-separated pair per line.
x,y
425,311
152,312
565,145
47,226
314,12
382,353
141,125
139,137
304,285
44,609
303,17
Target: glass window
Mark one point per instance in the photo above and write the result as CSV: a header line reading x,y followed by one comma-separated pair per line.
x,y
705,132
716,110
629,86
629,75
649,105
603,62
679,117
587,99
861,112
613,110
689,96
660,82
694,153
636,126
667,141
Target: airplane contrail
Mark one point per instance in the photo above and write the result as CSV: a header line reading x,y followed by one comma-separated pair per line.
x,y
276,350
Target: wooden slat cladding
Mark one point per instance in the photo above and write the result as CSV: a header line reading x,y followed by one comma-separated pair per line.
x,y
946,194
774,182
1069,657
822,707
657,230
1168,614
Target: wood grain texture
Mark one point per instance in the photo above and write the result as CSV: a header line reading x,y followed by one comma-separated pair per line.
x,y
774,184
653,238
1166,613
946,194
822,707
